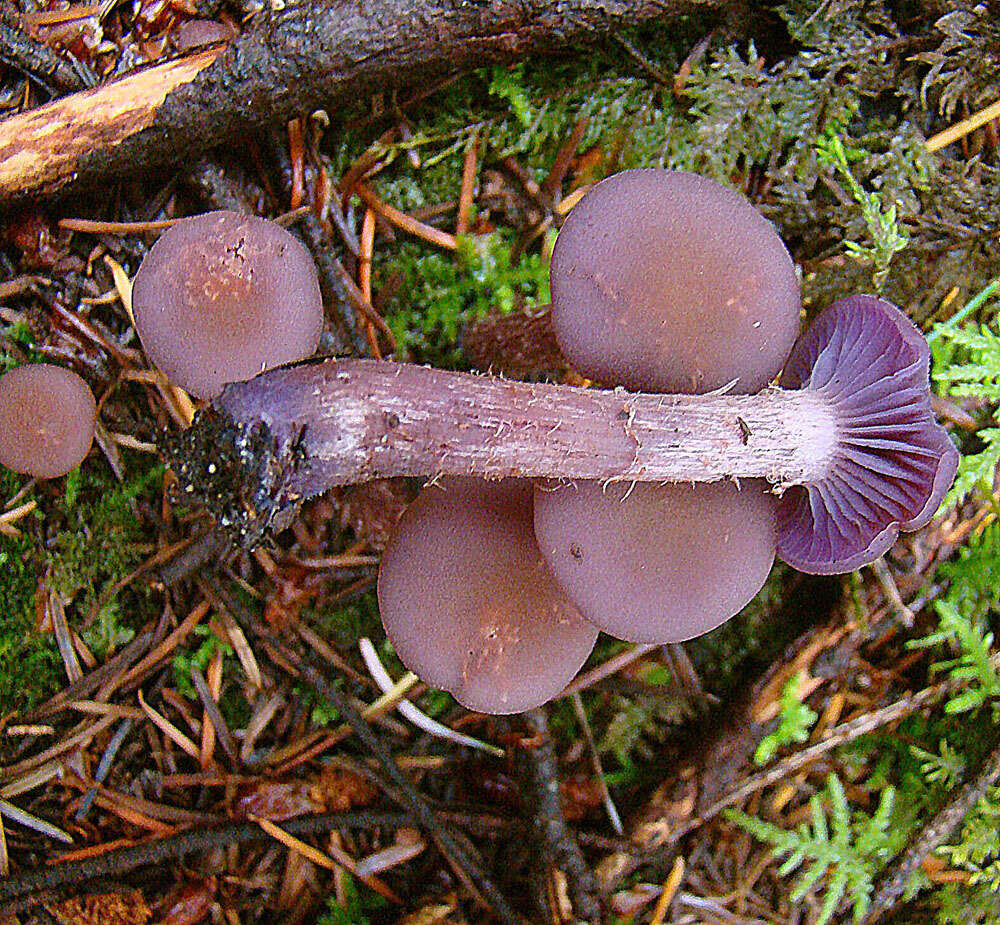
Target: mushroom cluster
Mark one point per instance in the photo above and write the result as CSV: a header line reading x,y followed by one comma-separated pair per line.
x,y
220,297
667,282
504,569
494,587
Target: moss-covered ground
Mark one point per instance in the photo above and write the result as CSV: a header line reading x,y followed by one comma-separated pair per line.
x,y
819,112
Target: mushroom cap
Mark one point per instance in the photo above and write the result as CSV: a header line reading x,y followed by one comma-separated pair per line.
x,y
469,604
657,563
222,296
666,281
893,462
47,416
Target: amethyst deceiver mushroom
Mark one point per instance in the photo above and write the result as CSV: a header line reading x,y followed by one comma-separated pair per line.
x,y
291,433
222,296
666,281
890,463
469,604
657,563
47,416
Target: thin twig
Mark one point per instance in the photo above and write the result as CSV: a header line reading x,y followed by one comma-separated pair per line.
x,y
963,128
104,767
595,760
336,858
839,735
892,883
555,841
468,187
121,861
41,63
222,733
31,821
405,222
613,665
91,226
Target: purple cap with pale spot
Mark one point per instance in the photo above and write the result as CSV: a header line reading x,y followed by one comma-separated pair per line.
x,y
666,281
222,296
47,417
470,605
892,463
657,563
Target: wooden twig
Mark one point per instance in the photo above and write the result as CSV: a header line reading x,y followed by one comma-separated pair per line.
x,y
41,63
595,762
554,841
121,861
616,663
467,188
839,735
963,128
892,884
405,222
299,55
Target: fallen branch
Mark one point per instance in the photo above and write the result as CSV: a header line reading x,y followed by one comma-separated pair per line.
x,y
296,58
122,860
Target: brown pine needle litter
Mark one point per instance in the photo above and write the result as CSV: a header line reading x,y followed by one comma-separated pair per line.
x,y
223,730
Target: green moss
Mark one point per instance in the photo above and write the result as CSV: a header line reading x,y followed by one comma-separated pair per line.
x,y
97,546
358,903
344,624
28,662
435,295
198,657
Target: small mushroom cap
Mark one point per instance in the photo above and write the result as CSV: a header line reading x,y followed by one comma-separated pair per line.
x,y
657,563
47,416
893,462
469,604
666,281
222,296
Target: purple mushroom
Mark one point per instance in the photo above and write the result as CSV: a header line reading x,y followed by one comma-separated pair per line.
x,y
469,603
47,417
665,281
222,296
291,433
891,463
657,563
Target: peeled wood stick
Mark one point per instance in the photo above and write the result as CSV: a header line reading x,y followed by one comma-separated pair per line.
x,y
305,55
295,432
45,148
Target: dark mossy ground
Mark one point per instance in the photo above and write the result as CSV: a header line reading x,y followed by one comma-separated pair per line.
x,y
817,111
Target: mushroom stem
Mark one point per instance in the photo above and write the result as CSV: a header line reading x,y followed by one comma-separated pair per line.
x,y
355,420
295,432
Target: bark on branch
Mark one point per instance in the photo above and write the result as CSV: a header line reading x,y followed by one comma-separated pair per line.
x,y
306,55
295,432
